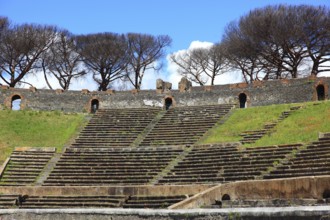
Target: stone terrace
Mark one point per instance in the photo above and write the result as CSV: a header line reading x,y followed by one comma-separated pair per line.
x,y
88,201
185,125
25,165
312,161
111,166
115,127
155,202
44,202
219,164
8,201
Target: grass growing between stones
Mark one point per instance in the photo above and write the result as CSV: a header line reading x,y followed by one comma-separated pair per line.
x,y
36,129
302,126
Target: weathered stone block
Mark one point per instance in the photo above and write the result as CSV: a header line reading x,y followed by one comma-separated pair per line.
x,y
184,85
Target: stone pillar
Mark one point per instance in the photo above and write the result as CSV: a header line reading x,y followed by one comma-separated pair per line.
x,y
184,85
162,86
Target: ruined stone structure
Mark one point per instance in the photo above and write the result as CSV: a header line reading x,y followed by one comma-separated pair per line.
x,y
140,150
242,94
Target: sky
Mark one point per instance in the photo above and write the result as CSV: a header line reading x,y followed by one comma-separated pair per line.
x,y
190,23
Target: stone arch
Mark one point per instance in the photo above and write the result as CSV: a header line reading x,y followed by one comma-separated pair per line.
x,y
225,197
88,105
320,91
168,102
16,101
94,106
242,98
326,194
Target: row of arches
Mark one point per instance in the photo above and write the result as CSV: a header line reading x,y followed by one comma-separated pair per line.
x,y
168,101
95,104
320,96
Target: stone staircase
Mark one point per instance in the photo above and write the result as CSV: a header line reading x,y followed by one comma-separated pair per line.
x,y
25,165
8,201
115,127
12,201
73,201
212,164
313,160
250,137
121,166
184,125
152,202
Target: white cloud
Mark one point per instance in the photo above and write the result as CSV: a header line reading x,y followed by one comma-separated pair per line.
x,y
37,79
174,77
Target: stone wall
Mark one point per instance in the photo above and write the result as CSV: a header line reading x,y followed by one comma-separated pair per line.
x,y
283,213
257,94
106,190
291,188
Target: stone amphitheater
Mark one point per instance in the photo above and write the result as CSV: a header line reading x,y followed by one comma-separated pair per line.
x,y
137,157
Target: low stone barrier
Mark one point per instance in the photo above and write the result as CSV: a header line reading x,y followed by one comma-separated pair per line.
x,y
283,213
289,188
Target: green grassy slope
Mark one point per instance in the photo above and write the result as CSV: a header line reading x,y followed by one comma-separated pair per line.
x,y
36,129
302,126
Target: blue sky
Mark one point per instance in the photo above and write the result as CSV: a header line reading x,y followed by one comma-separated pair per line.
x,y
184,21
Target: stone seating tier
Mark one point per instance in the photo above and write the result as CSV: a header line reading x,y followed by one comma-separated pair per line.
x,y
121,166
184,125
8,201
313,160
115,127
208,165
153,202
42,202
25,165
78,201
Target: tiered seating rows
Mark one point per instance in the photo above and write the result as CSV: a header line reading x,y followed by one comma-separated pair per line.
x,y
203,164
72,202
184,125
92,201
8,201
25,166
214,164
154,202
115,127
312,161
110,166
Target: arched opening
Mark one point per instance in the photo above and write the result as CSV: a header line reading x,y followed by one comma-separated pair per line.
x,y
326,194
242,100
225,197
320,92
16,103
168,103
95,104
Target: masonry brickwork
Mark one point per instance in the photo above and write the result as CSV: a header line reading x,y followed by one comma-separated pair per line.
x,y
257,94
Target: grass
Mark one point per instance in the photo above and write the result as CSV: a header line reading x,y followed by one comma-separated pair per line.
x,y
36,129
302,126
